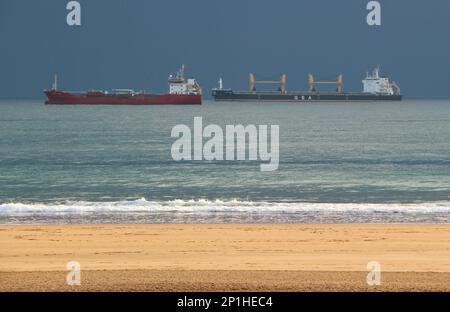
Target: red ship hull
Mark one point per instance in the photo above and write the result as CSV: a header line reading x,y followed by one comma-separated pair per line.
x,y
100,98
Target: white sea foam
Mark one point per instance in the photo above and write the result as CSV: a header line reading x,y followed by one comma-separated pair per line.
x,y
208,206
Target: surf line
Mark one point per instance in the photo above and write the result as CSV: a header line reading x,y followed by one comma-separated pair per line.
x,y
233,146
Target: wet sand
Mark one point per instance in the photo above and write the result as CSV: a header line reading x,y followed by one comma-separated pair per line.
x,y
189,257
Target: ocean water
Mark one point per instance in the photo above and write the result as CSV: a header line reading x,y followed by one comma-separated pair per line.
x,y
339,162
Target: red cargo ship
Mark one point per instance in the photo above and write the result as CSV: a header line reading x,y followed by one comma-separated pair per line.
x,y
182,91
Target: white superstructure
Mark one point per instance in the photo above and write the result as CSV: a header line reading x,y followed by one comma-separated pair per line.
x,y
180,85
376,84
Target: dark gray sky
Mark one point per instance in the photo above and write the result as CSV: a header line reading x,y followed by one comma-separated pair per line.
x,y
136,43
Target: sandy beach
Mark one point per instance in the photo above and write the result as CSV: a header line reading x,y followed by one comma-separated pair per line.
x,y
189,257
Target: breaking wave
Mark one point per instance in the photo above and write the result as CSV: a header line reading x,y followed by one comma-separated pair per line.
x,y
211,206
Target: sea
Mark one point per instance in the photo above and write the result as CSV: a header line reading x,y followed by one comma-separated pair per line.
x,y
386,162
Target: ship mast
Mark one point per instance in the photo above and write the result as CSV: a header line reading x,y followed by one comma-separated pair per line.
x,y
55,83
376,72
181,72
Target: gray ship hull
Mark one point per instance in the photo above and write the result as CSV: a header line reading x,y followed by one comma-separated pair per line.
x,y
229,95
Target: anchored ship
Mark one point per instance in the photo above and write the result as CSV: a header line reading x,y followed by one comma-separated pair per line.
x,y
182,91
375,88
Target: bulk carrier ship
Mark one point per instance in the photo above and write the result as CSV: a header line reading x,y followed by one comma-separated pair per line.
x,y
182,91
375,88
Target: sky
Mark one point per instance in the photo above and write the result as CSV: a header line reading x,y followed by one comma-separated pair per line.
x,y
137,43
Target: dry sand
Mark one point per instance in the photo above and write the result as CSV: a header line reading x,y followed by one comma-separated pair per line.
x,y
220,257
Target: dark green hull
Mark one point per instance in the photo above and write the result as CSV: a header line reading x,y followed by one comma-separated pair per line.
x,y
229,95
